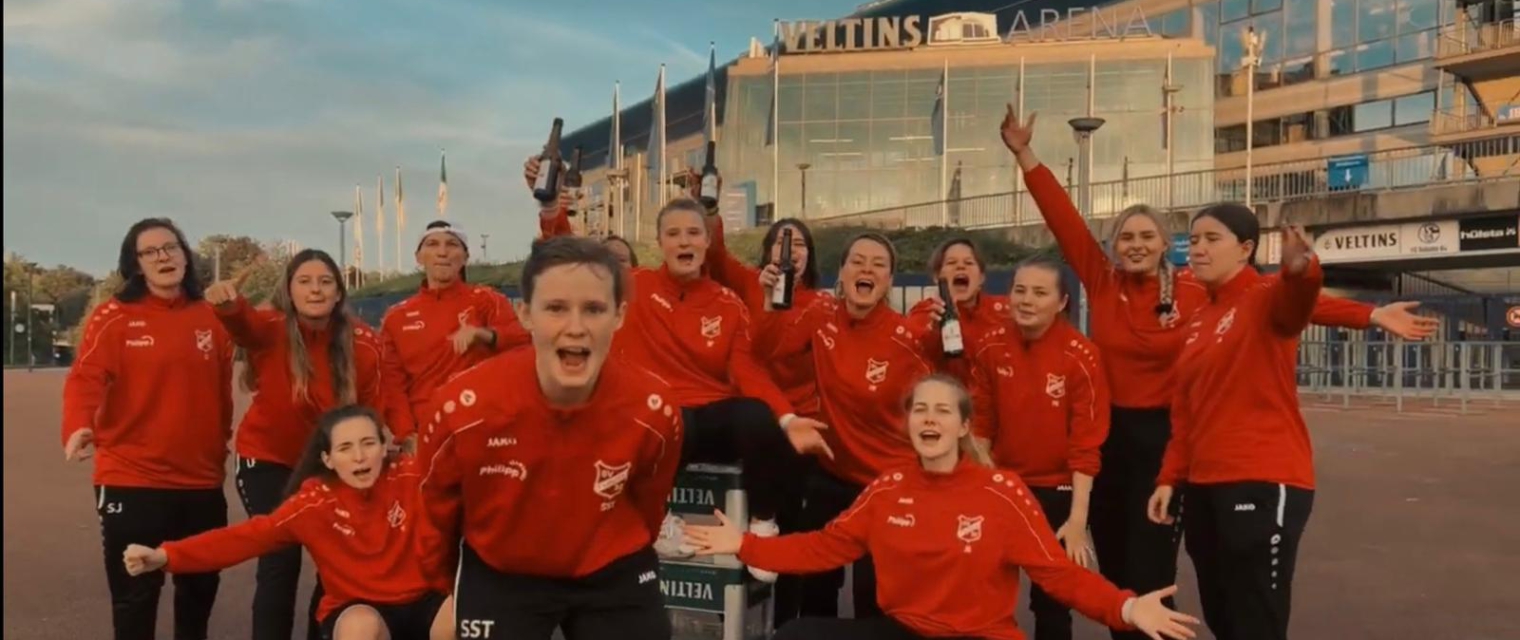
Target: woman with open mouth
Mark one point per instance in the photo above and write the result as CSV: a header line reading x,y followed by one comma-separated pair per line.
x,y
359,514
1042,407
546,469
951,535
695,333
309,354
150,399
866,358
448,326
1140,307
958,263
1240,452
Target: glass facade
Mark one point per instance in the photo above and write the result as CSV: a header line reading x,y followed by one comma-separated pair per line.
x,y
868,136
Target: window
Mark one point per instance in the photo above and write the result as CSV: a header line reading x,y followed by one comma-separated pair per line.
x,y
1231,10
1263,6
1413,109
1417,15
1267,133
1375,55
1230,139
1342,23
1297,71
1301,33
1416,46
1208,23
1297,127
1175,24
1339,63
1375,20
1270,26
1369,116
1231,48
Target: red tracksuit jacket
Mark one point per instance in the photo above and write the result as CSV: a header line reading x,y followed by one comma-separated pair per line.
x,y
550,492
1043,404
1139,349
365,543
419,351
154,381
987,314
277,424
696,336
948,550
794,375
866,368
1236,416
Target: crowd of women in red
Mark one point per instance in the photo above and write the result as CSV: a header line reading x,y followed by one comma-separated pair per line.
x,y
472,469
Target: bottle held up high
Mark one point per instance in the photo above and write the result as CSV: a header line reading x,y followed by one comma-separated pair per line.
x,y
781,295
550,169
709,191
950,325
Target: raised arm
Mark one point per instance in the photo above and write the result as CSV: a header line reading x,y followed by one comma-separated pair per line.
x,y
727,270
1294,292
1077,243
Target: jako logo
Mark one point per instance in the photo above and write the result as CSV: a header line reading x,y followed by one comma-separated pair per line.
x,y
647,577
1245,507
495,443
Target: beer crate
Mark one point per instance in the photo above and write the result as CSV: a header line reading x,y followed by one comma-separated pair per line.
x,y
708,602
700,488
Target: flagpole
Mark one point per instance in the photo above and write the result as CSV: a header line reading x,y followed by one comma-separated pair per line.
x,y
944,156
400,218
443,183
664,168
775,118
380,223
358,232
1018,173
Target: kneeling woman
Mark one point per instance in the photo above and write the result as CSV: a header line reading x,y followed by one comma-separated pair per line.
x,y
360,516
934,527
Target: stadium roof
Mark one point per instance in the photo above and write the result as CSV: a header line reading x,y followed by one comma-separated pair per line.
x,y
683,102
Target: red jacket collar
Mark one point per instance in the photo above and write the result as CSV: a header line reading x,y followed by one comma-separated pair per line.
x,y
1236,286
454,289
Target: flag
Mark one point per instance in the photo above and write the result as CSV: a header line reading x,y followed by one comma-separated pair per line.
x,y
710,106
400,218
380,223
656,147
937,117
359,227
443,184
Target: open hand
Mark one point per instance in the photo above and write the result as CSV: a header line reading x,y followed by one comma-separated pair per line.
x,y
1158,621
467,336
1297,248
1398,318
806,436
722,539
1073,535
1017,135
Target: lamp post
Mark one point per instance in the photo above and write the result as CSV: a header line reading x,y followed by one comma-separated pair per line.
x,y
1169,93
485,253
1083,128
1252,42
803,167
342,218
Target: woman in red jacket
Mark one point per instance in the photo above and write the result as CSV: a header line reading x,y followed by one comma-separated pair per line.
x,y
446,327
695,334
309,354
360,516
1042,404
1140,306
951,536
958,263
151,392
1238,439
547,469
866,357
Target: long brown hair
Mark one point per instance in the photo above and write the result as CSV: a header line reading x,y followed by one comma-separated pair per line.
x,y
969,446
340,349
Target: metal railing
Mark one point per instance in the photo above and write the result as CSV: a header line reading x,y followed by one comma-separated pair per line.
x,y
1456,374
1406,168
1469,37
1448,122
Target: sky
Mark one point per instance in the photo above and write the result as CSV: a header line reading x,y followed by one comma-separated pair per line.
x,y
258,117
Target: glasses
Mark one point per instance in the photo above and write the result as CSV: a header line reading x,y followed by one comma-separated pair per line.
x,y
168,251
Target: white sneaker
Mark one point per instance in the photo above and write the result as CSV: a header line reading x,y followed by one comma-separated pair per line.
x,y
672,541
763,529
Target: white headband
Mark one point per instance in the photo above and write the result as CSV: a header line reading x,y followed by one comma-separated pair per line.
x,y
453,230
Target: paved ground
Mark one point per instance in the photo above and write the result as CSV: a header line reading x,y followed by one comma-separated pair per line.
x,y
1415,532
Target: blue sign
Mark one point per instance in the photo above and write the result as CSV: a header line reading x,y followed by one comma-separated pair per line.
x,y
1347,172
1178,254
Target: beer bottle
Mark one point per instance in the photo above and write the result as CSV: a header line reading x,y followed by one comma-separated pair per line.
x,y
709,192
781,296
950,325
546,187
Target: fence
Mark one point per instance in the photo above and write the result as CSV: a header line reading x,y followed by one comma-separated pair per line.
x,y
1410,167
1456,373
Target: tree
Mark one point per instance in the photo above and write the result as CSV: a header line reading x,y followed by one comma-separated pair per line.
x,y
55,284
237,252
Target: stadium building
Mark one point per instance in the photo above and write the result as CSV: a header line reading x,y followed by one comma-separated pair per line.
x,y
890,114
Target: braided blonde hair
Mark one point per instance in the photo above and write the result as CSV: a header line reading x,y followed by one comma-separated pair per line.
x,y
1168,272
